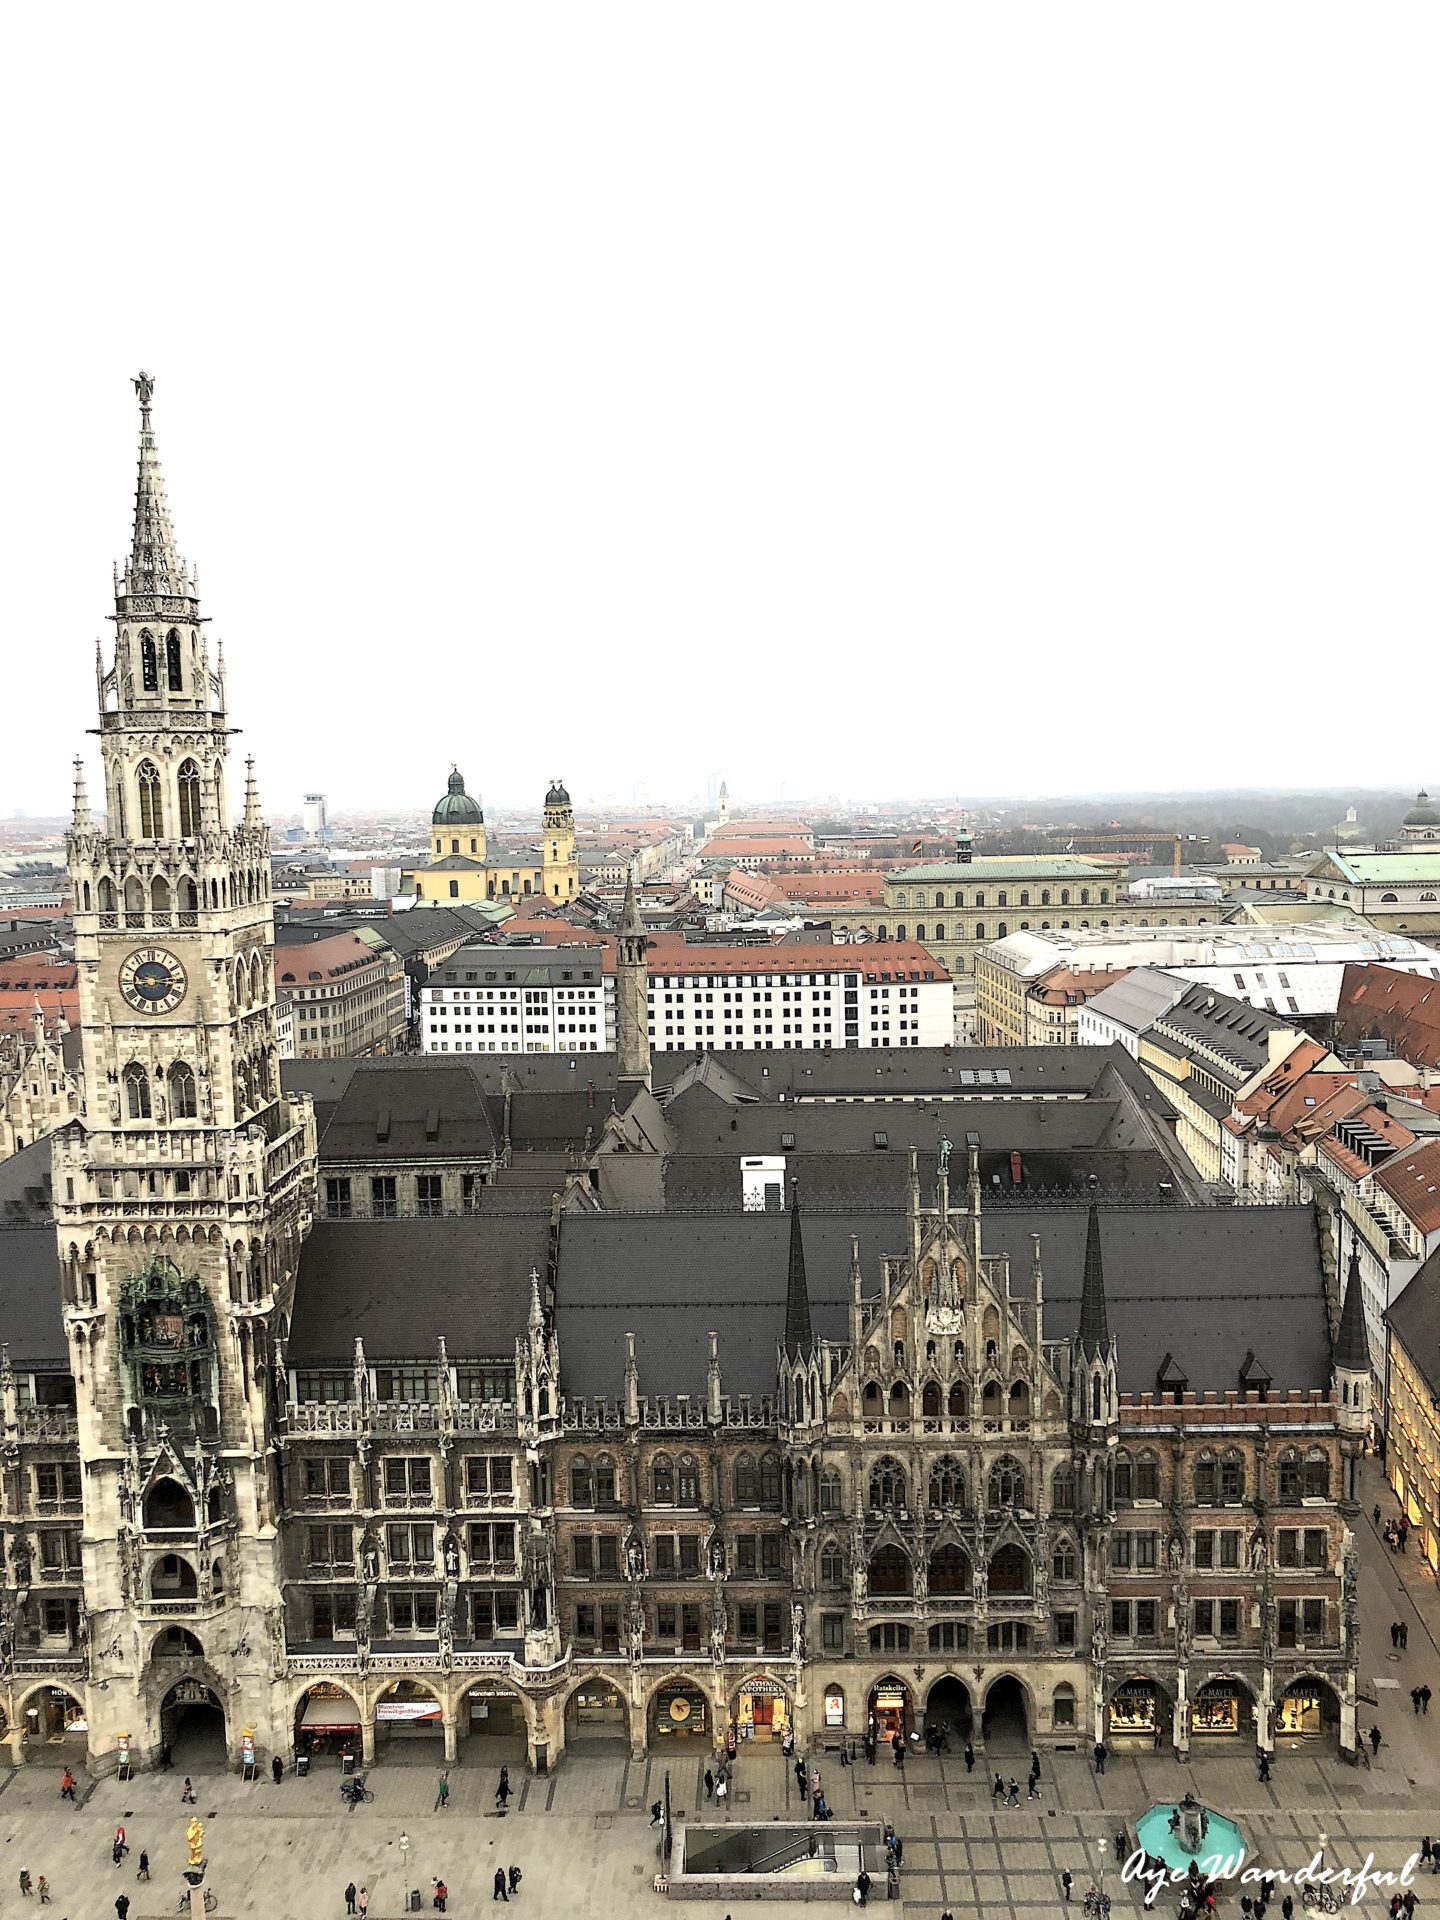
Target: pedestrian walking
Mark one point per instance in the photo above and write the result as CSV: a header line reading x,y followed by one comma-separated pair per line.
x,y
709,1784
440,1895
1287,1908
1034,1765
142,1872
1425,1849
442,1794
515,1877
1032,1787
1407,1901
1376,1515
1264,1764
861,1889
42,1887
187,1793
362,1902
1122,1846
998,1791
350,1898
122,1906
1099,1756
1404,1631
1012,1799
1247,1906
814,1780
25,1886
1066,1883
897,1749
1415,1700
656,1810
67,1786
969,1758
117,1852
1425,1698
897,1847
502,1792
497,1892
120,1846
1375,1742
1394,1633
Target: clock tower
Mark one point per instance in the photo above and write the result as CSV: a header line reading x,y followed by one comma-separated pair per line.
x,y
184,1194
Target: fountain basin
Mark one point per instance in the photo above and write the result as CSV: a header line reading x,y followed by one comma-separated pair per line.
x,y
1201,1835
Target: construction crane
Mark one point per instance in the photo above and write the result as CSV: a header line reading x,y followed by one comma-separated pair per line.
x,y
1127,843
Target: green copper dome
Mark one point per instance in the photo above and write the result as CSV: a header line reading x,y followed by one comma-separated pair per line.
x,y
457,809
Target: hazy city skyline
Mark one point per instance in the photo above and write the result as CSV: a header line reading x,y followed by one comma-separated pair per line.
x,y
945,399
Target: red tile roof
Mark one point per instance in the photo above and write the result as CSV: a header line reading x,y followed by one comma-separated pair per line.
x,y
1402,1009
1413,1183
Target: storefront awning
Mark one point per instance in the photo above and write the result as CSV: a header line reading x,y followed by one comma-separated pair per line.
x,y
333,1716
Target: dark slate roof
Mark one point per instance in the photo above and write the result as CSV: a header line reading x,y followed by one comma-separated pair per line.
x,y
439,1113
879,1179
1205,1285
556,1119
401,1284
30,1320
1414,1319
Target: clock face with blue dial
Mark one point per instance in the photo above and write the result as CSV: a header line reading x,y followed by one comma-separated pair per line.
x,y
152,981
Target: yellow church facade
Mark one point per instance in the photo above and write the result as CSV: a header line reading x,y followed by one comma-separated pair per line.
x,y
464,866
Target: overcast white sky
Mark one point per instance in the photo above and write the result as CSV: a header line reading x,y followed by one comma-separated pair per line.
x,y
878,400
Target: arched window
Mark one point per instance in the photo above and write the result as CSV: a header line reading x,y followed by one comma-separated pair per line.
x,y
149,669
939,929
949,1570
181,1082
920,931
137,1091
1064,1562
1024,896
1232,1475
770,1480
1123,1478
172,662
160,894
152,811
1010,1570
1007,1483
1389,899
887,1483
939,899
1045,896
189,785
105,894
830,1494
947,1482
1147,1477
604,1481
900,931
688,1481
1206,1480
955,1406
889,1570
1062,1490
1317,1474
747,1482
662,1480
832,1565
582,1494
979,929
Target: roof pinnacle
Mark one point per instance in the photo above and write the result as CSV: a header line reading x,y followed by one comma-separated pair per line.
x,y
153,566
80,812
799,1336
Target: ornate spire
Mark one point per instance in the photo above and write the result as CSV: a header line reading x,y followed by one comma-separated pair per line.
x,y
799,1337
630,921
1352,1347
153,566
80,820
1094,1333
252,797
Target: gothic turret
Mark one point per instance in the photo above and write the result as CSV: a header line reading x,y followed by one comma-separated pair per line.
x,y
799,1339
1351,1356
632,1000
1094,1387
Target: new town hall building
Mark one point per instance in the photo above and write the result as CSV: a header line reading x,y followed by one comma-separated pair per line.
x,y
507,1480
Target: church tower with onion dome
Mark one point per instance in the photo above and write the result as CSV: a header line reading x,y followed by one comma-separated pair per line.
x,y
183,1195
